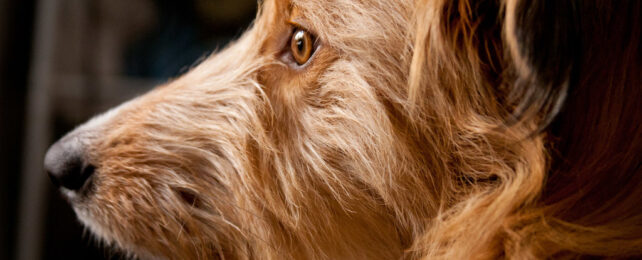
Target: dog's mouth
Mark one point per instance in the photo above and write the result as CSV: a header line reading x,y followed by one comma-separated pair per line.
x,y
80,195
125,220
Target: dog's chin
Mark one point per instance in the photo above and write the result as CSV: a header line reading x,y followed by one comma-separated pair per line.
x,y
104,236
107,237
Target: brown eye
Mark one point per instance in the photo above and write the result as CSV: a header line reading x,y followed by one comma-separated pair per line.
x,y
301,46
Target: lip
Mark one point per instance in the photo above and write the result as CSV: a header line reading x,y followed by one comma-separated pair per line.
x,y
72,196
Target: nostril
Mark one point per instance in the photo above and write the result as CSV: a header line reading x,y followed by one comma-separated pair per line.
x,y
66,164
88,171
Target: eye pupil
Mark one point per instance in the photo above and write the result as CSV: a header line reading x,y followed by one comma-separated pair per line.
x,y
299,45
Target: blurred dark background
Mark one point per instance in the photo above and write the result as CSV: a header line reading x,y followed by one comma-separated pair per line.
x,y
62,61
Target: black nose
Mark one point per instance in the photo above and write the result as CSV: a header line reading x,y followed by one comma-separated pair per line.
x,y
66,163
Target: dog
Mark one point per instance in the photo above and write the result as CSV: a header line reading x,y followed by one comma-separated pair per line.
x,y
349,129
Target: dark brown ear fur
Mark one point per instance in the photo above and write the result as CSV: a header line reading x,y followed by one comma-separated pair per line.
x,y
579,65
574,69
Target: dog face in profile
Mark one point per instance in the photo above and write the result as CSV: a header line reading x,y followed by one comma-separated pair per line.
x,y
379,130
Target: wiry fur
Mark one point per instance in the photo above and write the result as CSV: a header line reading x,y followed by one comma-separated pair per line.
x,y
415,132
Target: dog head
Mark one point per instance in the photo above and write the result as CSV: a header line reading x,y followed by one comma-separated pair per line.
x,y
360,129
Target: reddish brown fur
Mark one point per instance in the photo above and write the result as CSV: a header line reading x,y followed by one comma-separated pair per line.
x,y
418,130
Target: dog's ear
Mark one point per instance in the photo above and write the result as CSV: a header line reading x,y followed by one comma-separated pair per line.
x,y
578,64
542,38
552,43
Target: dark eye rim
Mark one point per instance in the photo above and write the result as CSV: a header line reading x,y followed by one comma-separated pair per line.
x,y
287,55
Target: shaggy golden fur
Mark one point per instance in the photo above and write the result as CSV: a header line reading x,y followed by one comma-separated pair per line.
x,y
418,130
